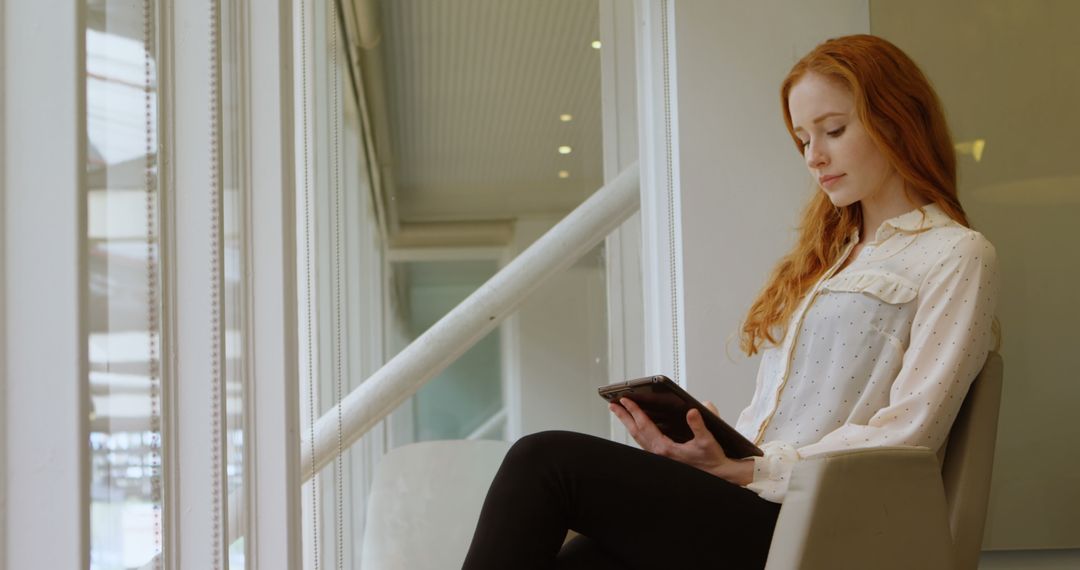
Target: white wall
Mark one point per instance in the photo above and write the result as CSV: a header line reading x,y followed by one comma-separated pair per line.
x,y
1006,73
742,182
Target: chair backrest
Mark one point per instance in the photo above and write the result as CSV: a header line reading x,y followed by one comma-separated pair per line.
x,y
969,460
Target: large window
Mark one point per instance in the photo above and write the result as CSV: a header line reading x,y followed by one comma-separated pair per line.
x,y
129,190
339,276
216,269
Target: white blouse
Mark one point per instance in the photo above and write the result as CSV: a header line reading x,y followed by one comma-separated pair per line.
x,y
881,353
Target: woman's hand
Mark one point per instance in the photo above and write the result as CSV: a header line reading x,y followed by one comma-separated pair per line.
x,y
703,451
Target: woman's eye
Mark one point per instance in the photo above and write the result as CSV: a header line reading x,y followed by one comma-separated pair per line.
x,y
834,134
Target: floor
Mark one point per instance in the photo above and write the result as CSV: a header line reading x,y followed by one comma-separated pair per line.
x,y
1030,560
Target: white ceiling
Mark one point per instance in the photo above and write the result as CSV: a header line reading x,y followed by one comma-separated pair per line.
x,y
474,90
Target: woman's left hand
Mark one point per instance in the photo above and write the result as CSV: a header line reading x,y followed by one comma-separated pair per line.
x,y
703,451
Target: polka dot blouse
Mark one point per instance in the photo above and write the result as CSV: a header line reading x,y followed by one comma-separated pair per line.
x,y
879,354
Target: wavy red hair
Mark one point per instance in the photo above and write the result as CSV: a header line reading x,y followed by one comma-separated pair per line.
x,y
903,116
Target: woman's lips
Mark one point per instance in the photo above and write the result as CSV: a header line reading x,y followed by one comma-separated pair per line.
x,y
830,180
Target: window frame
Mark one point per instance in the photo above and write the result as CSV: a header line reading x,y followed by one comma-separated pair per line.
x,y
46,305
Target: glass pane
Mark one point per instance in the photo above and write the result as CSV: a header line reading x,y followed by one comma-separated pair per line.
x,y
339,263
124,288
233,308
1006,73
468,394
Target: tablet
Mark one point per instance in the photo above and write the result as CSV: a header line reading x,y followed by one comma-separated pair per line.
x,y
666,404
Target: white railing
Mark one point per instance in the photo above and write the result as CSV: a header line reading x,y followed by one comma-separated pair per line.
x,y
466,324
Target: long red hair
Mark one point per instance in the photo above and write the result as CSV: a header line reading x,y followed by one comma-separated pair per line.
x,y
903,116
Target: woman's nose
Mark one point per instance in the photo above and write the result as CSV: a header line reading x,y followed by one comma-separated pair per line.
x,y
815,158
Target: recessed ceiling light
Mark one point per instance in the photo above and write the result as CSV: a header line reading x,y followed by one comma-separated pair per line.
x,y
596,44
566,117
565,149
564,174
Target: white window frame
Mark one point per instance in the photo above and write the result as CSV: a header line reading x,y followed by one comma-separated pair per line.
x,y
364,294
269,510
661,220
44,246
187,271
623,248
272,450
43,372
3,298
303,14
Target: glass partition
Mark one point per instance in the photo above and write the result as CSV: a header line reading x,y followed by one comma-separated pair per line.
x,y
466,398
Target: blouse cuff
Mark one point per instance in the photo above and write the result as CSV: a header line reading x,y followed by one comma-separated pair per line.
x,y
772,471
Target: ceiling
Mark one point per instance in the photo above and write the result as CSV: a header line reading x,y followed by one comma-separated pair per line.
x,y
474,91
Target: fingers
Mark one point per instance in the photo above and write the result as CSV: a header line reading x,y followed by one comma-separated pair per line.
x,y
629,423
702,435
640,426
640,418
711,407
697,425
624,417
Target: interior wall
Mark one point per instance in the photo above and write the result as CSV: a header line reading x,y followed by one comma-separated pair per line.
x,y
742,187
1006,72
742,182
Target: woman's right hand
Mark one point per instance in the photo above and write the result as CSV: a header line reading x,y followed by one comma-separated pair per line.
x,y
703,451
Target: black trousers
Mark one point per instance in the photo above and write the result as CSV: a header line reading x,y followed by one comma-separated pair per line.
x,y
634,509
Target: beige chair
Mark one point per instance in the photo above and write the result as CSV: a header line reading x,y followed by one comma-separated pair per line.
x,y
878,508
424,503
890,508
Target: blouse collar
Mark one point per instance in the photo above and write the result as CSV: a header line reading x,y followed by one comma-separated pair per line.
x,y
912,222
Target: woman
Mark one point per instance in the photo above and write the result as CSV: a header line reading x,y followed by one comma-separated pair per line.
x,y
871,331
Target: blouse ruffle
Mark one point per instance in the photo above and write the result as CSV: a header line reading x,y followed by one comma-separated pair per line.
x,y
888,287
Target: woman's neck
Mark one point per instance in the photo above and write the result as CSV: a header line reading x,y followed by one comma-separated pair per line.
x,y
885,206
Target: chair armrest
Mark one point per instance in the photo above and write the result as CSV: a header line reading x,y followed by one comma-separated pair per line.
x,y
879,508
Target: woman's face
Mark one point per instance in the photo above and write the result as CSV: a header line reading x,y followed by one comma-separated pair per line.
x,y
835,144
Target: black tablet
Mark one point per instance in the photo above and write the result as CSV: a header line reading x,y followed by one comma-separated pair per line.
x,y
666,404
